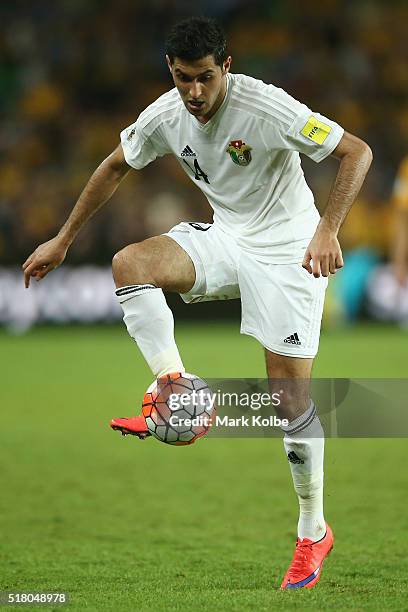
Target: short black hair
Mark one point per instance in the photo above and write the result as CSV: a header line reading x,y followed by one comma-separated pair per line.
x,y
195,38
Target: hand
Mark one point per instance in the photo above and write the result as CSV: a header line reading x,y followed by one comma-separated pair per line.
x,y
45,258
325,253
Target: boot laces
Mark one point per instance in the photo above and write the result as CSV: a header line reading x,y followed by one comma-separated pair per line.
x,y
302,557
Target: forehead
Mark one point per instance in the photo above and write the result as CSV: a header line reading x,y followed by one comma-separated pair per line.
x,y
193,68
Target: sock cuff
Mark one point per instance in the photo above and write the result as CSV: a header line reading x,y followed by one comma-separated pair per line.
x,y
129,291
301,422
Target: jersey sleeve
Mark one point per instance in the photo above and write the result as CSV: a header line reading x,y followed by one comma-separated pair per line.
x,y
138,148
400,191
304,130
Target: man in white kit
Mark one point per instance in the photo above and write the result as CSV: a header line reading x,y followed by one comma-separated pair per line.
x,y
239,140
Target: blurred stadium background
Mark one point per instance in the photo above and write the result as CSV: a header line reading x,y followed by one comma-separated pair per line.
x,y
123,525
74,73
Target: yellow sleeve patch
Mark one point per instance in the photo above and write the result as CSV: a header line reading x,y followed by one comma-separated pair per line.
x,y
316,130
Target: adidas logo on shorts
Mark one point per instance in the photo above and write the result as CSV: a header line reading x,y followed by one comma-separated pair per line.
x,y
293,339
188,152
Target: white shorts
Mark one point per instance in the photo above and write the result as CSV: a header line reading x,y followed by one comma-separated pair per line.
x,y
282,304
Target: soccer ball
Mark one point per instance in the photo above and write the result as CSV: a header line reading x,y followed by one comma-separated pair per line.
x,y
178,408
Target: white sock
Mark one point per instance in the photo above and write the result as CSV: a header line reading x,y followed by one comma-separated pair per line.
x,y
304,446
150,323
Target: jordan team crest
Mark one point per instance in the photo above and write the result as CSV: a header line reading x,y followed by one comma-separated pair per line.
x,y
240,152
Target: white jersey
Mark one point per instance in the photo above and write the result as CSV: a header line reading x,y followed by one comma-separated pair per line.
x,y
245,160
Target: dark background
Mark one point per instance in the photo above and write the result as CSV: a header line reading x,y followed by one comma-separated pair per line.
x,y
74,73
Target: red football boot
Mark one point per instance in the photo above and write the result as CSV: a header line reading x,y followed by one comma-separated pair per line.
x,y
306,567
135,426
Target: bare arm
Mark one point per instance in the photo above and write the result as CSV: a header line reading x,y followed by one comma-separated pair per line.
x,y
100,187
355,159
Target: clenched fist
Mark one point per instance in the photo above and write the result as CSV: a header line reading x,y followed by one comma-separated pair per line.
x,y
324,253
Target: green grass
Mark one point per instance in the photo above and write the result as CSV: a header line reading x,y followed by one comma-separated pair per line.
x,y
125,525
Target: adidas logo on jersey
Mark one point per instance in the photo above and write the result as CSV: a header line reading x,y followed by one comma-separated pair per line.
x,y
293,339
188,152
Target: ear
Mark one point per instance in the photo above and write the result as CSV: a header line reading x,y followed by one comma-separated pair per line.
x,y
227,65
168,62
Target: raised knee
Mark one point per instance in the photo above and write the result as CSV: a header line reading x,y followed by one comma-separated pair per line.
x,y
120,261
130,266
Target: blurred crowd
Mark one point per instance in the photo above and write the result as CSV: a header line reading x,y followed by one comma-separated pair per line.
x,y
73,73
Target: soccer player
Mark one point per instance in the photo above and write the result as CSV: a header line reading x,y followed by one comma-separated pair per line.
x,y
400,246
239,140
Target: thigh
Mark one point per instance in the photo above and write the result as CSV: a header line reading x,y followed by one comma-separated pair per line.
x,y
282,307
214,256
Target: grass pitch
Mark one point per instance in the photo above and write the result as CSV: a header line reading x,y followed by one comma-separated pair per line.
x,y
121,524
